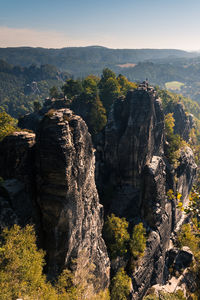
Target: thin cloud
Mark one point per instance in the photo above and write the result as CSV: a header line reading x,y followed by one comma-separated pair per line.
x,y
15,37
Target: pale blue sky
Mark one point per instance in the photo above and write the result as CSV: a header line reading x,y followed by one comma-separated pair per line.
x,y
111,23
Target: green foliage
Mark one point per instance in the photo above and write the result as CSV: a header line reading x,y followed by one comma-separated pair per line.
x,y
174,140
193,208
138,241
189,236
109,88
7,124
97,118
90,85
178,295
120,286
186,237
54,92
21,271
37,105
177,197
21,265
125,85
72,88
116,235
118,239
20,87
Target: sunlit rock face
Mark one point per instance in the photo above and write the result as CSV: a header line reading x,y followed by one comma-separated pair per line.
x,y
134,176
71,214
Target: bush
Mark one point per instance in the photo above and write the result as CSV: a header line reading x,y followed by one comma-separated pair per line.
x,y
120,286
175,142
21,271
21,266
138,241
7,124
116,235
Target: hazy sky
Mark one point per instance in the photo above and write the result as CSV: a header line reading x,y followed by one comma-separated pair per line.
x,y
109,23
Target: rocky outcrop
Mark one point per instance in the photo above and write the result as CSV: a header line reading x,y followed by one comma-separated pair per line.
x,y
136,177
183,122
16,155
31,121
49,181
185,172
71,214
17,189
133,135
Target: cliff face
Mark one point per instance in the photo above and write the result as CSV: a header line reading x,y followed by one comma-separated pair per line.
x,y
17,192
183,122
71,214
49,181
136,177
133,135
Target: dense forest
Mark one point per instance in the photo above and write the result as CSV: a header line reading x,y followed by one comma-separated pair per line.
x,y
159,66
21,86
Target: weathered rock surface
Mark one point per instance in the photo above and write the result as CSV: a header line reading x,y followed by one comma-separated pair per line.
x,y
183,122
16,155
50,182
18,188
133,135
31,121
136,176
180,276
71,214
186,172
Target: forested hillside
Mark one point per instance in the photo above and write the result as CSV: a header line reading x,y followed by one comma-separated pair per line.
x,y
160,66
73,58
21,86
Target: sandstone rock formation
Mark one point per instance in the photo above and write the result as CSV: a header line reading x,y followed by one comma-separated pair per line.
x,y
18,188
136,177
183,122
50,182
66,192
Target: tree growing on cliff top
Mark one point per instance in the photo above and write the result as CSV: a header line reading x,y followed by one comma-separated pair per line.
x,y
72,88
109,88
7,124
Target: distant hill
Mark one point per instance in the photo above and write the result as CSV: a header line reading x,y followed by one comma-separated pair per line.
x,y
81,61
160,66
